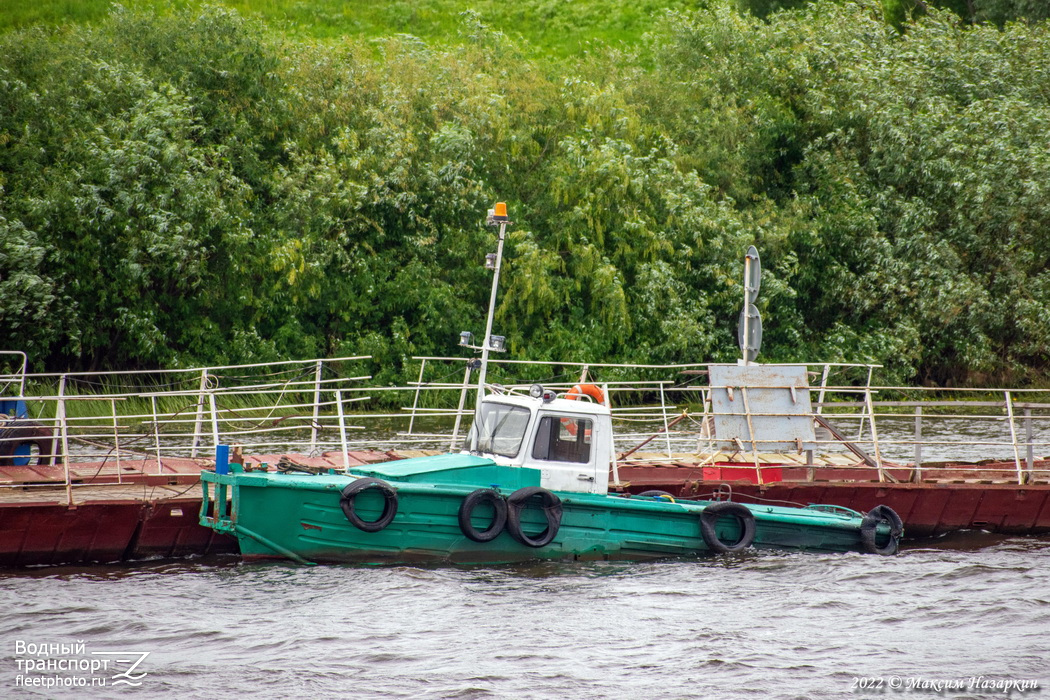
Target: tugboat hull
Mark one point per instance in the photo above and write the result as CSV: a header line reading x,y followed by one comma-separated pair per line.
x,y
305,518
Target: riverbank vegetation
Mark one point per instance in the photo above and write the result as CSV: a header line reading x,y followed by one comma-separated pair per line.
x,y
199,188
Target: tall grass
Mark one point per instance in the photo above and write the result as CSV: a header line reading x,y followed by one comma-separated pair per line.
x,y
550,27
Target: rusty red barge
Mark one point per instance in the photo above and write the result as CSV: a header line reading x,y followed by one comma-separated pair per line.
x,y
102,471
148,509
105,466
763,439
957,497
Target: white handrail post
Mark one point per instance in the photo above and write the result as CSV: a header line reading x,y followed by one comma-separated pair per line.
x,y
25,368
1030,452
199,423
1013,437
874,431
612,446
63,428
860,425
918,443
811,473
706,398
667,429
823,388
459,410
116,439
342,429
214,420
415,400
871,417
156,432
317,407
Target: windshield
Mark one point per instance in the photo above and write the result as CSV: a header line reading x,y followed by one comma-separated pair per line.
x,y
502,429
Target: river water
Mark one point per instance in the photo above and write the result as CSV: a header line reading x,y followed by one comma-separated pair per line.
x,y
957,617
971,610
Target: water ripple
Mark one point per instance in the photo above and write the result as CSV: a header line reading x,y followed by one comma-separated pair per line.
x,y
758,625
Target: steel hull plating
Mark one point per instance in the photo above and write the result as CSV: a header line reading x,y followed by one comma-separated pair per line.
x,y
928,509
36,534
299,517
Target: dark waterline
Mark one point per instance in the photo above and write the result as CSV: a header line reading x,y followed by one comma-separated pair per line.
x,y
752,626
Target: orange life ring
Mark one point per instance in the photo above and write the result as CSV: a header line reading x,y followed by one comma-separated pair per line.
x,y
592,390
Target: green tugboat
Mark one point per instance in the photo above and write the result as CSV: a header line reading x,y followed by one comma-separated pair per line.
x,y
533,484
534,487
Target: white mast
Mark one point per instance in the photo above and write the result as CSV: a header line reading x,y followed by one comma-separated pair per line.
x,y
497,216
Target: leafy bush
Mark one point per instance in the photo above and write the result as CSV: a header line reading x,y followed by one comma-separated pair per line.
x,y
194,189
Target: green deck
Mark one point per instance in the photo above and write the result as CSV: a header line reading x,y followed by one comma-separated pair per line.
x,y
453,469
298,516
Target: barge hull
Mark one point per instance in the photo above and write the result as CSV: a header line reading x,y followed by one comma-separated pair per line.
x,y
104,532
137,509
928,510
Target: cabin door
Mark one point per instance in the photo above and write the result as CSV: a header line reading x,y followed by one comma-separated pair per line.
x,y
564,452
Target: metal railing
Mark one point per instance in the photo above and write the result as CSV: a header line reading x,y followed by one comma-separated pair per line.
x,y
540,371
143,421
13,384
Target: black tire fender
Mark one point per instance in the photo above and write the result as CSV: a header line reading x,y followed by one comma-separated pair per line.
x,y
472,501
552,509
350,492
871,521
709,517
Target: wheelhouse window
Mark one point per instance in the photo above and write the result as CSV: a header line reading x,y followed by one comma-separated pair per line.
x,y
502,429
563,439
